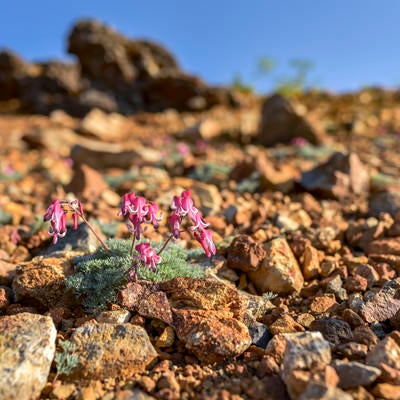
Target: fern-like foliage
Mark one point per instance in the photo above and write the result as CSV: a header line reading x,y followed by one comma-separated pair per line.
x,y
100,275
66,361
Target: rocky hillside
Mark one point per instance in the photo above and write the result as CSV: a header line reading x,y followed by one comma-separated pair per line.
x,y
301,299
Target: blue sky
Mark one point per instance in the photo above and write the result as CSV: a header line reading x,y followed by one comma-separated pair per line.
x,y
352,43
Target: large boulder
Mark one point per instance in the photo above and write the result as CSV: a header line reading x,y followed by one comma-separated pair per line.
x,y
281,123
108,56
12,69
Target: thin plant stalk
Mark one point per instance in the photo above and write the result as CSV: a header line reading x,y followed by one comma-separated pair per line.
x,y
165,245
103,243
132,245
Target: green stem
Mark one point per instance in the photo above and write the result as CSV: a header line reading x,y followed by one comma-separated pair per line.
x,y
133,243
165,245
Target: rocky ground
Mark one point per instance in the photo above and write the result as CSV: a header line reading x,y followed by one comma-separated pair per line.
x,y
301,301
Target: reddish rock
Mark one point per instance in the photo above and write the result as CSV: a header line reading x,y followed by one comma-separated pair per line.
x,y
7,272
285,324
322,304
386,391
87,183
380,307
210,335
352,318
280,123
365,335
42,280
244,254
356,283
147,301
279,272
204,294
369,273
311,265
384,246
276,348
305,353
386,352
352,351
5,297
338,177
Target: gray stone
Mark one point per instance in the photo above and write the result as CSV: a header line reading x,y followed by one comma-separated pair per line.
x,y
260,335
114,317
336,331
338,177
111,350
353,374
305,351
317,391
27,347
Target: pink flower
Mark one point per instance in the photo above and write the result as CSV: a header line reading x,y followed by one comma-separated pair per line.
x,y
184,205
198,221
151,217
134,225
298,141
132,204
57,217
139,211
204,237
183,149
77,208
175,224
148,255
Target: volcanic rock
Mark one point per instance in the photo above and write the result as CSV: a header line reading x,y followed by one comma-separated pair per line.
x,y
280,123
338,177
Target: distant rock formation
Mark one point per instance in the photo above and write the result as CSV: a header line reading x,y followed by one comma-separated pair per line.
x,y
113,73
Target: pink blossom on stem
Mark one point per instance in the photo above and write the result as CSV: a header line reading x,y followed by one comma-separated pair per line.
x,y
183,205
204,237
151,217
298,141
77,211
198,221
57,217
175,224
134,225
148,255
132,204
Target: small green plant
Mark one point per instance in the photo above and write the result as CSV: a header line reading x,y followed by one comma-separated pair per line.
x,y
5,217
100,275
67,360
210,172
240,85
109,229
291,84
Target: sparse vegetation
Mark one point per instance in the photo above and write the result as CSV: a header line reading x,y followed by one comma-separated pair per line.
x,y
66,361
100,275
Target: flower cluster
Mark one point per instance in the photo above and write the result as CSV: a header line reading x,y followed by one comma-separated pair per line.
x,y
138,211
183,206
57,215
